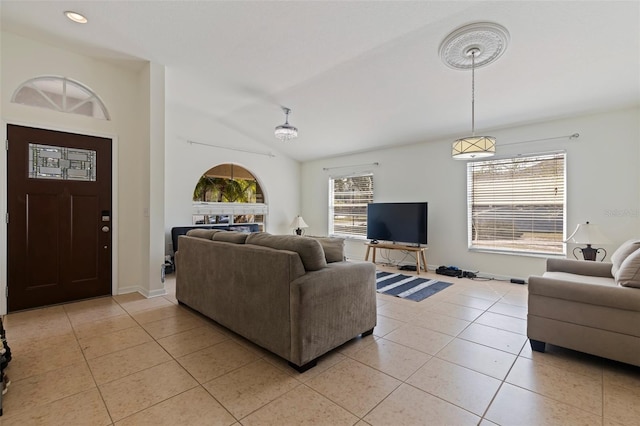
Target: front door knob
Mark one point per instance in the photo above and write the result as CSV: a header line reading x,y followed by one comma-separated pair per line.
x,y
105,229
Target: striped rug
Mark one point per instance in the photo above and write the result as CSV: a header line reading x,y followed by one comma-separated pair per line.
x,y
407,286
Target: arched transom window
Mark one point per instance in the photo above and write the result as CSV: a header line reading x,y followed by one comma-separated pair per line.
x,y
61,94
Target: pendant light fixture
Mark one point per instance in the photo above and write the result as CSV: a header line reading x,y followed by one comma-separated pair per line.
x,y
473,46
286,131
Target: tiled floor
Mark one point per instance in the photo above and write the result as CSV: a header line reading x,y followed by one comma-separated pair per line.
x,y
459,357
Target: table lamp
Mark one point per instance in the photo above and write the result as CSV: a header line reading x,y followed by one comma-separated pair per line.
x,y
298,223
589,234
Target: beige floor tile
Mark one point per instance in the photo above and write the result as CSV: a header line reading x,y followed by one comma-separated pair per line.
x,y
173,325
103,326
301,406
33,317
622,375
50,325
63,353
439,322
516,298
325,362
482,293
510,310
583,392
386,325
456,311
354,386
145,388
94,347
494,337
93,310
577,362
503,322
193,407
470,302
422,339
399,310
410,406
23,347
517,406
127,361
356,344
460,386
137,305
159,313
190,341
250,387
85,408
128,297
216,360
391,358
480,358
621,404
27,394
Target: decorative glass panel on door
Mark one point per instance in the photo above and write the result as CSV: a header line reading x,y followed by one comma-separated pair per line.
x,y
60,163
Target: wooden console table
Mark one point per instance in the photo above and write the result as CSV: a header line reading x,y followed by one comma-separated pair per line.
x,y
419,252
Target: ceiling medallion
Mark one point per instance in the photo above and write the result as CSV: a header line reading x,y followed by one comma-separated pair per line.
x,y
489,39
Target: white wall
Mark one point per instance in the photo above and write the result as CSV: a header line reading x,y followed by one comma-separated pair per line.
x,y
119,88
603,186
278,176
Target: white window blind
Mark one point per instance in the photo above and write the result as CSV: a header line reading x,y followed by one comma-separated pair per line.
x,y
348,199
517,204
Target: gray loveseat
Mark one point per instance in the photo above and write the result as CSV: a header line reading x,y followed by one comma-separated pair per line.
x,y
591,307
294,296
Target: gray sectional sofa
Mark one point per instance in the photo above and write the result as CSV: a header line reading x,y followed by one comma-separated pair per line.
x,y
295,296
591,307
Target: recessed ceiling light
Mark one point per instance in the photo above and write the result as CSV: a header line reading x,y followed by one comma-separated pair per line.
x,y
76,17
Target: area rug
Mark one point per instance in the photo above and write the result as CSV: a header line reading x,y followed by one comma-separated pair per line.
x,y
407,286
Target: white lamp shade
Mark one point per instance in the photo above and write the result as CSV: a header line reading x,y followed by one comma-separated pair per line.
x,y
298,222
473,147
588,233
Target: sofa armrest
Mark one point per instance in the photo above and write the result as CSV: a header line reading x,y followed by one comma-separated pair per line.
x,y
331,306
580,267
612,296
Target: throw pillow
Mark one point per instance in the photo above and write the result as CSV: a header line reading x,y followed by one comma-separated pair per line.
x,y
629,273
622,253
202,233
231,237
333,248
309,249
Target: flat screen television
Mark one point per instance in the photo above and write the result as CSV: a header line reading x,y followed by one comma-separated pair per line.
x,y
398,222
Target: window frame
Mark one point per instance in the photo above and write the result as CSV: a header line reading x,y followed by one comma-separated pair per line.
x,y
332,206
557,246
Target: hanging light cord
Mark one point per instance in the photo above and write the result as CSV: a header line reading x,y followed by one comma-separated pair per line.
x,y
473,52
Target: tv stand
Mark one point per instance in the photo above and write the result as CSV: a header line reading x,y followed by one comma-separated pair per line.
x,y
418,251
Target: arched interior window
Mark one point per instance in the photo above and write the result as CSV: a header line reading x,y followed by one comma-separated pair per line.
x,y
60,94
229,194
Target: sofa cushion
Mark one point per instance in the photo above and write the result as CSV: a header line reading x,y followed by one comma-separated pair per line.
x,y
309,249
231,237
207,234
333,248
622,253
629,273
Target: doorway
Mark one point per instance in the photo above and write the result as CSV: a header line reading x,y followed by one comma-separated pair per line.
x,y
59,233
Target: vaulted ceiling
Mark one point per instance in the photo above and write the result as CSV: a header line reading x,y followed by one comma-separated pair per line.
x,y
358,75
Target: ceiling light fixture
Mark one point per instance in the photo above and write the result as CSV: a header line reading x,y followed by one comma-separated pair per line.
x,y
286,131
473,46
76,17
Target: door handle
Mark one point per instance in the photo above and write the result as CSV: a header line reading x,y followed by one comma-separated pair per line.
x,y
105,229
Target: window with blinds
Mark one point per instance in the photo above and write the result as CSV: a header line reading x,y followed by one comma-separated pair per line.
x,y
348,199
517,204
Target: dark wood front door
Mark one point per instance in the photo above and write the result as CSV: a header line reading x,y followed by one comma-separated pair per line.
x,y
60,219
